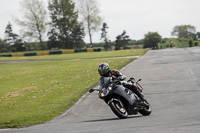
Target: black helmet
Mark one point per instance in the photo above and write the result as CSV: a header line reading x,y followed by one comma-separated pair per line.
x,y
103,69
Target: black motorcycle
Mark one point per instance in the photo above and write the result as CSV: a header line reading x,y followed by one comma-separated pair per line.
x,y
122,101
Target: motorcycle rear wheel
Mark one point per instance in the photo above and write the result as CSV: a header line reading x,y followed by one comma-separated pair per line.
x,y
146,110
117,109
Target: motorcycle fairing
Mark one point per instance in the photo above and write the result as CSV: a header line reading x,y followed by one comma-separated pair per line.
x,y
120,90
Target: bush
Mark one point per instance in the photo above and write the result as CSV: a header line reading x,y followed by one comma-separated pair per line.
x,y
191,44
196,43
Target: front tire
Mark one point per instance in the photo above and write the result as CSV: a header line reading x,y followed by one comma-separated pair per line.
x,y
118,108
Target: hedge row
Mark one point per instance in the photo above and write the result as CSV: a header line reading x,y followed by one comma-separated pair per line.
x,y
52,52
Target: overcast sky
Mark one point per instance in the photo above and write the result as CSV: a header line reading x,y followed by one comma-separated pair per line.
x,y
137,17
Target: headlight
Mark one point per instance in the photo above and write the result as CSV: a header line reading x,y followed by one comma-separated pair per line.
x,y
102,95
105,91
109,88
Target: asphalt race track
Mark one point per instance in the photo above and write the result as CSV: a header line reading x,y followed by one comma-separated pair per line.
x,y
171,82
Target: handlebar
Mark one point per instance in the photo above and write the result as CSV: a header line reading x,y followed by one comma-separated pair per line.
x,y
92,90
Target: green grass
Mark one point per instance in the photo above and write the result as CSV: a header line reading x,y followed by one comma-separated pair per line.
x,y
86,55
33,93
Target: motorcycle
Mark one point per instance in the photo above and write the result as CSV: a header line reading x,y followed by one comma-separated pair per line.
x,y
122,101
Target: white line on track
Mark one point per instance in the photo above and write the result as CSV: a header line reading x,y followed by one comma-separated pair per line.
x,y
191,71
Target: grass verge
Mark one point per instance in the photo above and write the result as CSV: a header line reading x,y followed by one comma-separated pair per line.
x,y
33,93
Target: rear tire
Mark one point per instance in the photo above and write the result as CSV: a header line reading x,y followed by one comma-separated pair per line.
x,y
147,109
118,108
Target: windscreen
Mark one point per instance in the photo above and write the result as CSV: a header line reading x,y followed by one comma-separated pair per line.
x,y
104,82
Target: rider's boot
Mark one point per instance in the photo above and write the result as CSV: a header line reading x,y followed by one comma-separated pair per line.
x,y
135,90
139,94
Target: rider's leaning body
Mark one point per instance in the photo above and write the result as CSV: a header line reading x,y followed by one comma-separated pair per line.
x,y
104,70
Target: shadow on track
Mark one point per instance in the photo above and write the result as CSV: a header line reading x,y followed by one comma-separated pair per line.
x,y
112,119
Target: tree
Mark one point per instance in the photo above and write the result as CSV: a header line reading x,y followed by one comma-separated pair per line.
x,y
151,40
77,36
104,37
88,9
4,47
198,36
66,31
34,22
184,31
12,40
121,41
9,35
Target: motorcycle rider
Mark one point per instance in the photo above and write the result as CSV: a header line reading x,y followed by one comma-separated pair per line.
x,y
104,70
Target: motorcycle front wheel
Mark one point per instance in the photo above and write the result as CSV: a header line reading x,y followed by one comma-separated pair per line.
x,y
118,109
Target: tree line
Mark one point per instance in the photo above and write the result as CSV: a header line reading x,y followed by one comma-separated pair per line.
x,y
64,30
152,39
70,21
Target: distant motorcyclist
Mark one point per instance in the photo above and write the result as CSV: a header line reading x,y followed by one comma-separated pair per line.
x,y
104,70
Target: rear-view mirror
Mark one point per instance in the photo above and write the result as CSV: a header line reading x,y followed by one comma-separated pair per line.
x,y
91,90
